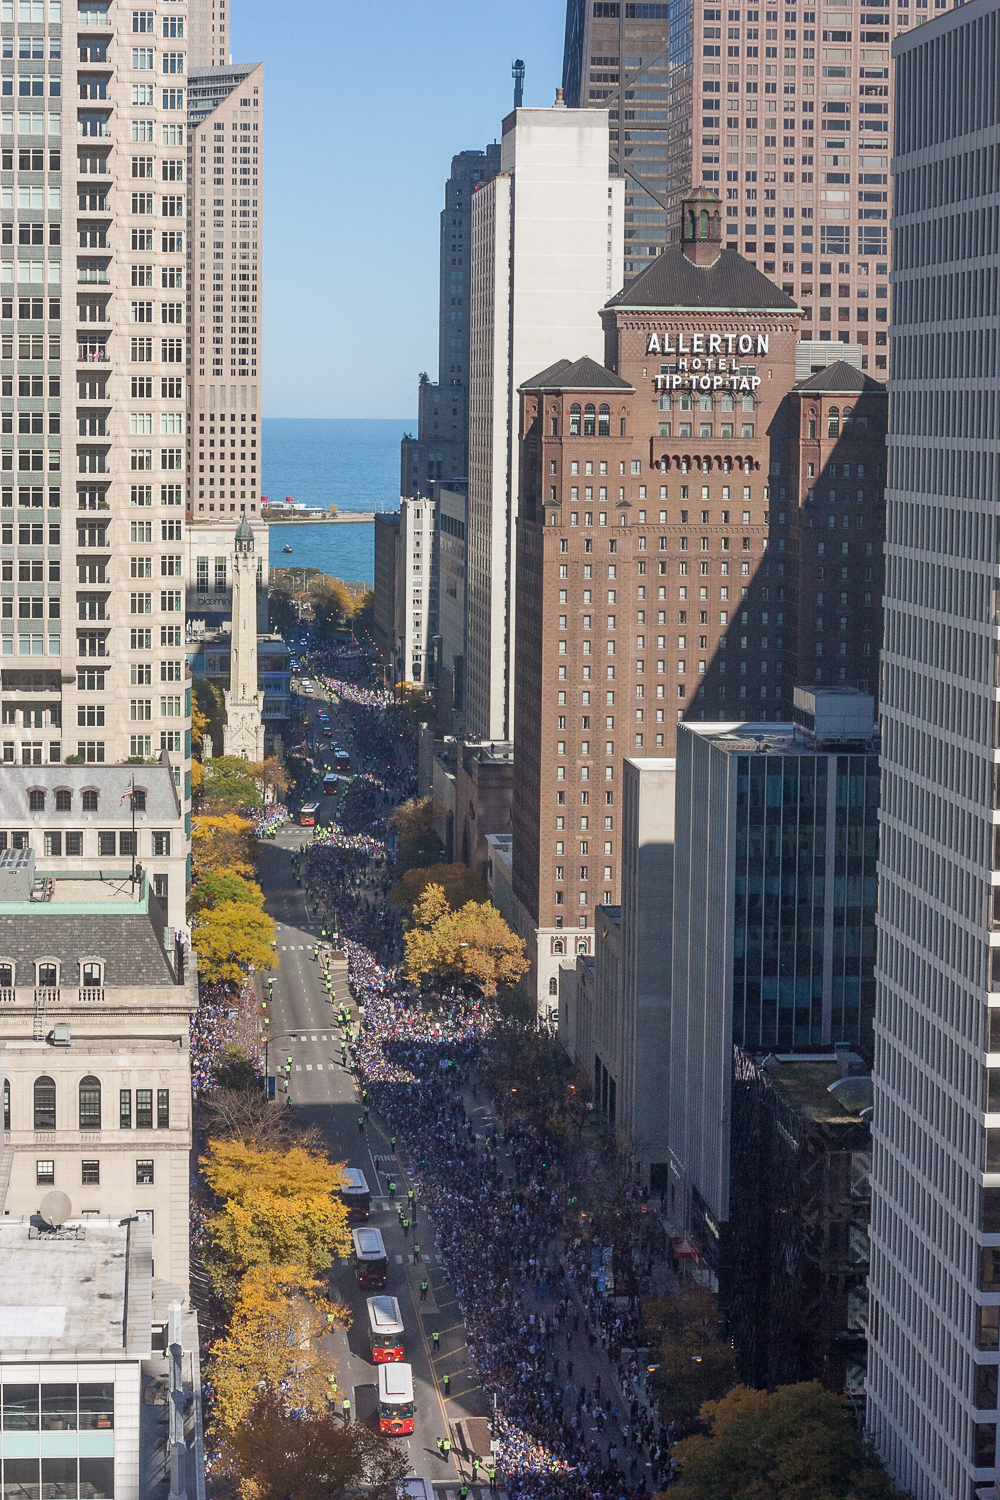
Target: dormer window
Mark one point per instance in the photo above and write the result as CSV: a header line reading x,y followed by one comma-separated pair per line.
x,y
92,976
139,799
48,975
64,801
88,800
36,801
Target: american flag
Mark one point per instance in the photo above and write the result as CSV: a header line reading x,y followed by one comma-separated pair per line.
x,y
127,793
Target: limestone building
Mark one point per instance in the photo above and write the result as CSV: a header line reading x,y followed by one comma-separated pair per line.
x,y
94,1040
115,818
244,728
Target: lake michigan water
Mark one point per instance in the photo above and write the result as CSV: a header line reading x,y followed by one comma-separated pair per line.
x,y
350,463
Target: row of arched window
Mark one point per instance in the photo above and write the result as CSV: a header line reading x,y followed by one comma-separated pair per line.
x,y
596,421
89,1105
46,974
698,463
63,799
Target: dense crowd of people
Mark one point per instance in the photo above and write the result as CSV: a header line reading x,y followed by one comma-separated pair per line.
x,y
500,1207
226,1017
268,819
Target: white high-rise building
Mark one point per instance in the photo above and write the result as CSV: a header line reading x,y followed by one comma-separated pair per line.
x,y
547,238
934,1324
94,237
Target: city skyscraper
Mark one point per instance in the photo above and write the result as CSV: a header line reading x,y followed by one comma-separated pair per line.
x,y
546,254
209,43
106,677
785,111
440,451
934,1323
225,120
616,57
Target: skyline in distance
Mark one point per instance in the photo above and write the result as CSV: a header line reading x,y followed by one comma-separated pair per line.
x,y
350,313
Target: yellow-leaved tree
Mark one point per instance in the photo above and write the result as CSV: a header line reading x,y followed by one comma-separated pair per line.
x,y
473,945
278,1207
274,1345
223,841
230,939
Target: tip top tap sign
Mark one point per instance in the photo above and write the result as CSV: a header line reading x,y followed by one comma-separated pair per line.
x,y
708,361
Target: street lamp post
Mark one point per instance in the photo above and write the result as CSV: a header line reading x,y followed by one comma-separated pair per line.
x,y
268,1039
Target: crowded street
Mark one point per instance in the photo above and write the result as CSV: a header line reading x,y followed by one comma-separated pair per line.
x,y
504,1299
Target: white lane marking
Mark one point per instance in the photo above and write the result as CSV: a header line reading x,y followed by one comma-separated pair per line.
x,y
399,1260
309,1067
319,1067
298,1068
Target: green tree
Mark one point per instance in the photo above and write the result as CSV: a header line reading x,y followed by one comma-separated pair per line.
x,y
208,697
222,885
794,1443
419,845
282,615
229,779
695,1365
237,1072
459,883
316,1458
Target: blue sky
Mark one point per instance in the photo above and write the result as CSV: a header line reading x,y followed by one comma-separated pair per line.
x,y
366,103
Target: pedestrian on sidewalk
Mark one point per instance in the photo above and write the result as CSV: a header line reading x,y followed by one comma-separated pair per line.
x,y
347,1411
423,1290
436,1338
440,1446
446,1384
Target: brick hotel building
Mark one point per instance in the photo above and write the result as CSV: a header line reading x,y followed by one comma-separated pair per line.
x,y
682,505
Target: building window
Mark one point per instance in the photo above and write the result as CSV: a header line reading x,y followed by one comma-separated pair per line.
x,y
6,1104
163,1109
36,801
45,1173
144,1174
45,1103
125,1109
144,1109
90,1103
90,1173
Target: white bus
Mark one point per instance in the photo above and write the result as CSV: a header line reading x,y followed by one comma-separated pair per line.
x,y
395,1398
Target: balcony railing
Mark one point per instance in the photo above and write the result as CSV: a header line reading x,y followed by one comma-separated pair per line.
x,y
92,354
92,994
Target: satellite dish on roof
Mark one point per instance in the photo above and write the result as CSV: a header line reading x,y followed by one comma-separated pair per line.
x,y
55,1208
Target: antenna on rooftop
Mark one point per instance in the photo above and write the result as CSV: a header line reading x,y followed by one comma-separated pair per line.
x,y
517,73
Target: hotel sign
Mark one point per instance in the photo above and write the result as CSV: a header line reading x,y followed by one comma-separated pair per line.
x,y
709,361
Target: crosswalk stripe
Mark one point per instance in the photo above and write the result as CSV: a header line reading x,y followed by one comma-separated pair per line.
x,y
399,1260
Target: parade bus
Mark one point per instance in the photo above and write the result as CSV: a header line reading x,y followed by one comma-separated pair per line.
x,y
341,759
371,1264
354,1195
307,817
385,1330
395,1398
331,781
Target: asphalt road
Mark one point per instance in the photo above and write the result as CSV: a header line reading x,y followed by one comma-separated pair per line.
x,y
303,1027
